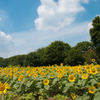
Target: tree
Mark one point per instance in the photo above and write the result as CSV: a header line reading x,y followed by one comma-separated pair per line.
x,y
1,62
95,32
16,60
91,54
55,52
4,62
76,54
74,58
40,52
32,59
83,46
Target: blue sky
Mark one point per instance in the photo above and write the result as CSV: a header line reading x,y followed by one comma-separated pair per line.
x,y
26,25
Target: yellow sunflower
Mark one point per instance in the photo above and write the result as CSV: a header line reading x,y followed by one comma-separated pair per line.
x,y
98,85
35,75
46,82
91,88
61,64
4,87
71,78
59,75
20,77
84,76
80,72
73,95
88,71
94,71
93,60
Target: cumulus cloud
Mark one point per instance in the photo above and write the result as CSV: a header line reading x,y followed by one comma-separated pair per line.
x,y
85,1
55,15
97,15
38,38
6,44
90,26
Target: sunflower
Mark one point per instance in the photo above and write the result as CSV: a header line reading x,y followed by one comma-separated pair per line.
x,y
73,95
84,76
91,88
94,71
20,77
98,85
15,74
46,82
80,72
35,75
4,87
88,71
93,60
61,64
71,78
59,75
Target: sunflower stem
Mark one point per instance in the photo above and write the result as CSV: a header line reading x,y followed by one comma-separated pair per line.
x,y
3,96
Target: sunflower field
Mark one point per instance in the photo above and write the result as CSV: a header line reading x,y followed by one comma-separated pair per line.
x,y
80,82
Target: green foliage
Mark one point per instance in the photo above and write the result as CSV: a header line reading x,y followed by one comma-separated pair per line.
x,y
40,52
56,52
59,97
27,96
90,54
84,97
75,57
2,62
95,31
16,60
83,46
32,59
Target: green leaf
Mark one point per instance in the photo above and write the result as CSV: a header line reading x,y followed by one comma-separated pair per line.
x,y
76,87
97,96
83,82
79,82
40,78
18,90
67,86
39,84
54,81
93,81
64,82
60,87
14,78
16,86
65,89
48,76
84,97
41,90
46,87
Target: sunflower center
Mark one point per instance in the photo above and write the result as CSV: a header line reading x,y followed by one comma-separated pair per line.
x,y
46,81
93,70
2,88
71,78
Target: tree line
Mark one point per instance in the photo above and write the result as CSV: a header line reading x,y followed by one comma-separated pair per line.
x,y
59,52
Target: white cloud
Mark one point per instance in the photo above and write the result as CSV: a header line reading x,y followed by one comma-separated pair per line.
x,y
97,15
90,26
2,15
85,1
55,15
6,44
37,39
0,19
